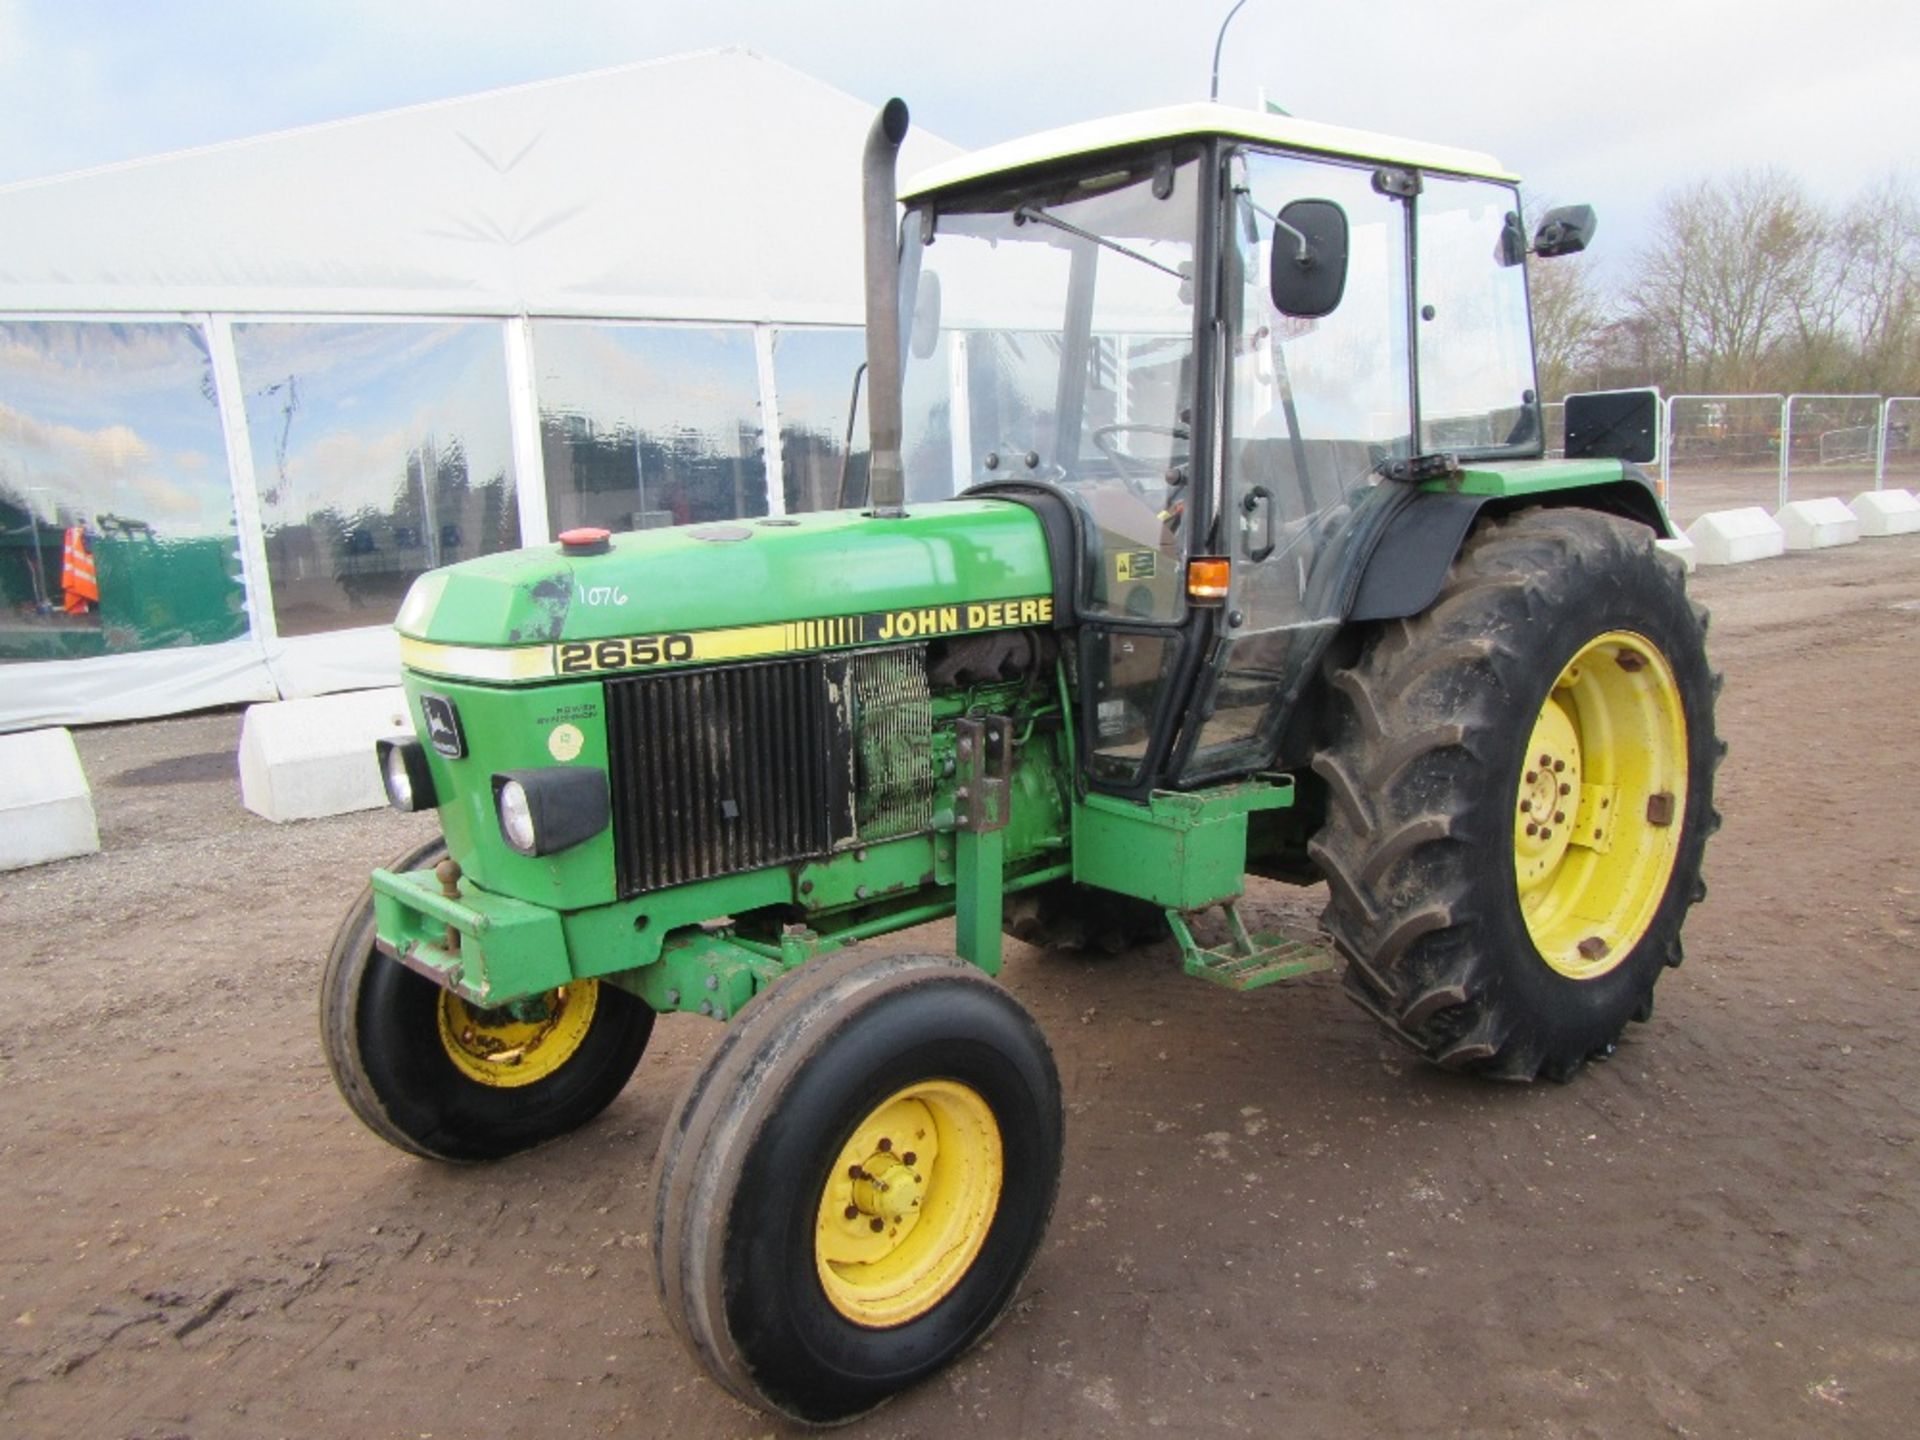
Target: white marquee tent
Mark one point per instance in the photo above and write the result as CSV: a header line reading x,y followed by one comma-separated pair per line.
x,y
255,388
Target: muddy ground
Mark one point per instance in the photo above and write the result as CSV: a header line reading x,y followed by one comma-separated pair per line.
x,y
1271,1221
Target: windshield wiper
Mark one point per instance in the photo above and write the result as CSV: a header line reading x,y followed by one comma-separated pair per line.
x,y
1024,213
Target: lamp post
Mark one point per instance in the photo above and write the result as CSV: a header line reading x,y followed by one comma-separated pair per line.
x,y
1218,41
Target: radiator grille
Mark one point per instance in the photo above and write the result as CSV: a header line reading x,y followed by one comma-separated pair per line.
x,y
893,717
719,771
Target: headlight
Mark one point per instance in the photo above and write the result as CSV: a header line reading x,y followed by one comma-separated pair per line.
x,y
404,773
543,811
516,817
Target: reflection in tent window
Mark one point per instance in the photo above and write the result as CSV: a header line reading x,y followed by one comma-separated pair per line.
x,y
380,451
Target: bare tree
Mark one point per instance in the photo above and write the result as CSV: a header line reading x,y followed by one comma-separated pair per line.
x,y
1733,266
1569,317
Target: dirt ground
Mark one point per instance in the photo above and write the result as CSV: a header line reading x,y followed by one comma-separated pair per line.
x,y
1271,1220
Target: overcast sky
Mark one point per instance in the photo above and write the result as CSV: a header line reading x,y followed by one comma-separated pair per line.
x,y
1609,102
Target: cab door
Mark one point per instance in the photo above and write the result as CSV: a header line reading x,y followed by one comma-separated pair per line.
x,y
1313,408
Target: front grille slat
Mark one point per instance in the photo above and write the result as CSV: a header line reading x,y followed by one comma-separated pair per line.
x,y
770,741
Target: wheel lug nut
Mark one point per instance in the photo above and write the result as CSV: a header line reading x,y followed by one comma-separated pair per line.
x,y
1526,806
853,1212
854,1172
1559,817
876,1224
1532,828
1558,766
885,1144
1545,758
908,1159
1532,775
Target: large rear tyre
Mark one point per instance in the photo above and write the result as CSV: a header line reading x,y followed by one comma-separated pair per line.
x,y
441,1079
856,1182
1520,793
1062,915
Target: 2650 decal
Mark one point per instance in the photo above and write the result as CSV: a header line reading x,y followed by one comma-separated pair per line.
x,y
583,657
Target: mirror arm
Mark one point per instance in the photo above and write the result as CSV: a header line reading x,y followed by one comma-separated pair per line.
x,y
1305,254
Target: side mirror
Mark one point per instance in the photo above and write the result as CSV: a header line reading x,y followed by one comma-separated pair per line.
x,y
1614,425
925,330
1566,230
1308,274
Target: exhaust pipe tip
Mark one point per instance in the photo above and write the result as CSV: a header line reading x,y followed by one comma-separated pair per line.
x,y
893,120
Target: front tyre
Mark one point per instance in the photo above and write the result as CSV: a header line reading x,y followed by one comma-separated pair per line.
x,y
855,1184
442,1079
1520,794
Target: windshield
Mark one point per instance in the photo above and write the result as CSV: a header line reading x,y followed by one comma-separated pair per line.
x,y
1050,338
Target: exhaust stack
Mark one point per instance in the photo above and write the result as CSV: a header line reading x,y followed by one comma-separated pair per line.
x,y
886,480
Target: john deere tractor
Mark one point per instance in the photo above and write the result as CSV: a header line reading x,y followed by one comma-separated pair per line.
x,y
1207,532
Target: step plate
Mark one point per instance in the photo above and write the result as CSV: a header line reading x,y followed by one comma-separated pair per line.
x,y
1273,958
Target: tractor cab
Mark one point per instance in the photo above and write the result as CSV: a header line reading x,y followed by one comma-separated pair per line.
x,y
1208,338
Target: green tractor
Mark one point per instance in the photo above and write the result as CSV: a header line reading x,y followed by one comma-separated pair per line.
x,y
1207,532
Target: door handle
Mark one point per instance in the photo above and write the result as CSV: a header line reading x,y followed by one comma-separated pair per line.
x,y
1261,499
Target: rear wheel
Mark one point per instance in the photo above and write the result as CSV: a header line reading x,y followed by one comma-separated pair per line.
x,y
856,1182
1521,791
437,1077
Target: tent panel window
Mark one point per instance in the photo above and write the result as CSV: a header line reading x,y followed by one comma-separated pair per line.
x,y
648,425
380,451
116,516
813,372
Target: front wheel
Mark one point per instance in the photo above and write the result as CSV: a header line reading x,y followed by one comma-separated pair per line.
x,y
446,1080
856,1182
1520,794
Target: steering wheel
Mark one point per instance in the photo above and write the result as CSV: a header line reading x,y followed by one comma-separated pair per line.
x,y
1134,472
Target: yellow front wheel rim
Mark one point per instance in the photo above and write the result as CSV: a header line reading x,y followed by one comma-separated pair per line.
x,y
1602,793
518,1046
908,1203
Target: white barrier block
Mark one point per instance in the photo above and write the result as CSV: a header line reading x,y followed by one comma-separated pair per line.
x,y
1887,512
1732,537
1817,524
1683,547
300,759
46,809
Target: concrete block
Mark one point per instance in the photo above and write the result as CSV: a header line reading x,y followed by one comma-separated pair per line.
x,y
1887,512
1683,547
1818,524
46,809
1732,537
300,759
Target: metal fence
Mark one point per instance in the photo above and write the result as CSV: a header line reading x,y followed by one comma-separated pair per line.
x,y
1721,452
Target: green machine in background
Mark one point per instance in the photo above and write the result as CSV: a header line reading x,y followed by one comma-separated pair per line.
x,y
1209,534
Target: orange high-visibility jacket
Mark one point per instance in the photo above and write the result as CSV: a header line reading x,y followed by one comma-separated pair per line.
x,y
76,573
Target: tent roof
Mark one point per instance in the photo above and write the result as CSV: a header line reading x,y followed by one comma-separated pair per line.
x,y
713,186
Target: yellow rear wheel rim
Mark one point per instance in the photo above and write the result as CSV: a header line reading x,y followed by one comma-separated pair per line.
x,y
908,1203
1602,794
510,1048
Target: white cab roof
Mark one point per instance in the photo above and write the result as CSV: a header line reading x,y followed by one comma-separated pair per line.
x,y
1178,121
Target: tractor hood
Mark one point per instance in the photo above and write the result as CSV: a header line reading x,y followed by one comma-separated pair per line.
x,y
734,589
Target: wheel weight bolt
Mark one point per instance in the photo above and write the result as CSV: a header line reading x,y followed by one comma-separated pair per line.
x,y
1558,766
